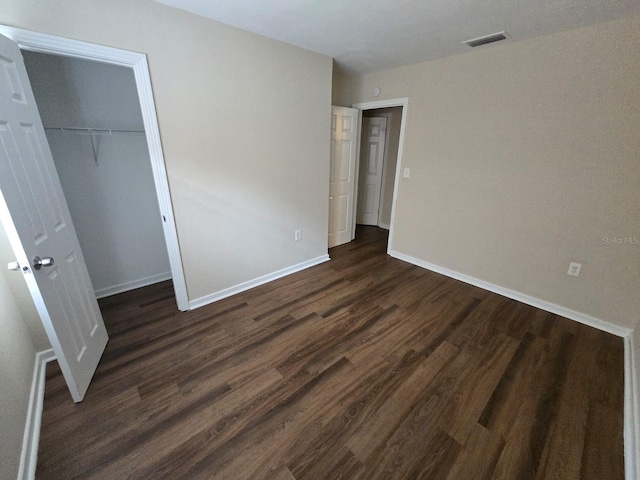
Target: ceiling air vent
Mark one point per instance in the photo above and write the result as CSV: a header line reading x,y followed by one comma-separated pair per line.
x,y
494,37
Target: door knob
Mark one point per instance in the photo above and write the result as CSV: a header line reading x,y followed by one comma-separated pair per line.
x,y
38,263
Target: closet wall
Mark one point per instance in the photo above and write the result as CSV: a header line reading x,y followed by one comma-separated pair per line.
x,y
108,185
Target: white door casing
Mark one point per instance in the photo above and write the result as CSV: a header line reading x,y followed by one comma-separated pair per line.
x,y
371,165
392,102
35,216
344,134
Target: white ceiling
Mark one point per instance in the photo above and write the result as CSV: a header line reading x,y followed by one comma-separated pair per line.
x,y
373,35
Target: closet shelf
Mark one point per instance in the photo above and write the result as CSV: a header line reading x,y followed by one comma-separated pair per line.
x,y
93,131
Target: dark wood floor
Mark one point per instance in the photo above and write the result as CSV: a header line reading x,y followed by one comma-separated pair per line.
x,y
364,367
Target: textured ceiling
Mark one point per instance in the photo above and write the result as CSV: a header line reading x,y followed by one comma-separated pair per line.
x,y
375,35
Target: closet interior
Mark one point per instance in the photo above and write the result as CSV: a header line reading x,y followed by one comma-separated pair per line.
x,y
95,130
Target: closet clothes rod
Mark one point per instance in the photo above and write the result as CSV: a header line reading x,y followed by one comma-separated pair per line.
x,y
93,131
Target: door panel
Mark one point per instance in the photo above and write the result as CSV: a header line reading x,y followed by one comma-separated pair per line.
x,y
343,205
370,207
371,164
35,216
342,172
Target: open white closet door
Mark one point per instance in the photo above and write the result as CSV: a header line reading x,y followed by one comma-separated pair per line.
x,y
344,137
35,216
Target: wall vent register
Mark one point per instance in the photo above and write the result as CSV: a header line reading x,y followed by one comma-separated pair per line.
x,y
494,37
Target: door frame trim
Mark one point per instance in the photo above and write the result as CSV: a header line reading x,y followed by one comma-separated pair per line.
x,y
45,43
393,102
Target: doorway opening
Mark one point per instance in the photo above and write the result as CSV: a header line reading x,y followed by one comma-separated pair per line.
x,y
382,130
379,142
95,132
49,44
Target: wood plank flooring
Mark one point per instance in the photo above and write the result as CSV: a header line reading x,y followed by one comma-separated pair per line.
x,y
364,367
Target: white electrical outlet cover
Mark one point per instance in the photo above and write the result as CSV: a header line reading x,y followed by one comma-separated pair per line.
x,y
574,269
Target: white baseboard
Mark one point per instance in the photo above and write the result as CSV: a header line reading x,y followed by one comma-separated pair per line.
x,y
386,226
631,339
31,438
227,292
125,287
632,405
520,297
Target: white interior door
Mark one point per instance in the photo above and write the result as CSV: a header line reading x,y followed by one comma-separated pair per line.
x,y
371,163
35,216
344,135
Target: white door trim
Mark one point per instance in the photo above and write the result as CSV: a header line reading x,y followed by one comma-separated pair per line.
x,y
44,43
393,102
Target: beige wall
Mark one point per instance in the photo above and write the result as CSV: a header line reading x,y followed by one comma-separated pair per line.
x,y
244,122
342,92
17,356
523,157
